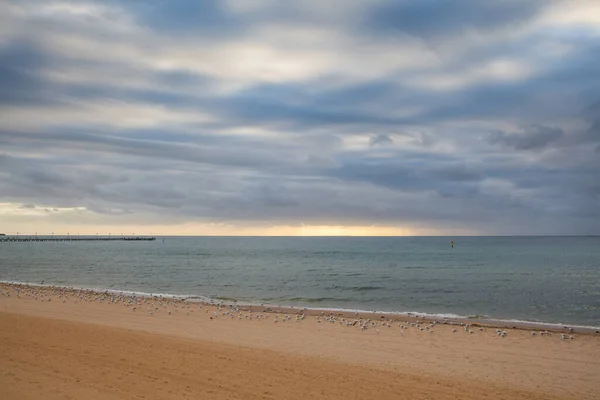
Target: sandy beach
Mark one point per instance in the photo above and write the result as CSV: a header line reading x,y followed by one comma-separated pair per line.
x,y
59,343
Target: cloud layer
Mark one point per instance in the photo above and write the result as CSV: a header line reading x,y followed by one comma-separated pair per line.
x,y
262,115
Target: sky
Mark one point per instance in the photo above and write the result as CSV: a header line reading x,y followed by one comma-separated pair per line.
x,y
315,117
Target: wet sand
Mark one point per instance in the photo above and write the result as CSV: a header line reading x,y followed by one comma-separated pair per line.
x,y
72,344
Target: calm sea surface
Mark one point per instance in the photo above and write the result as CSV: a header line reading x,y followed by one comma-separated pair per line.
x,y
548,279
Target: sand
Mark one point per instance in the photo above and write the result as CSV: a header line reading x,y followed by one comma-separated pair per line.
x,y
76,346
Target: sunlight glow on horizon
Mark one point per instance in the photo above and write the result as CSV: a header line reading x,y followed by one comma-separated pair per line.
x,y
42,220
221,230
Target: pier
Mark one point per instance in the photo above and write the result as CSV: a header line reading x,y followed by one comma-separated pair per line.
x,y
76,239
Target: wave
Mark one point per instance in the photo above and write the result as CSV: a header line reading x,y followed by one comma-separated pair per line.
x,y
366,288
445,317
96,289
315,299
225,298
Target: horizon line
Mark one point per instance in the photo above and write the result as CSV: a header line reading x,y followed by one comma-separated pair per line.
x,y
301,236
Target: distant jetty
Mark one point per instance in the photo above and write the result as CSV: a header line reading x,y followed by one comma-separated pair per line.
x,y
76,239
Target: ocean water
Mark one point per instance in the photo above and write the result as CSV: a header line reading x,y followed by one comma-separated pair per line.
x,y
542,279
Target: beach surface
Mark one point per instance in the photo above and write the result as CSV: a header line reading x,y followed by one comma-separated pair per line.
x,y
58,343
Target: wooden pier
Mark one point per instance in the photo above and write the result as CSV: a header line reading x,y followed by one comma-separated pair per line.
x,y
76,238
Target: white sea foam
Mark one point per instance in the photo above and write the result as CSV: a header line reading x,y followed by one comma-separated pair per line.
x,y
442,317
132,293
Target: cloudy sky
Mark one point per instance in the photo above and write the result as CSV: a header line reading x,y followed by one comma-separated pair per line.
x,y
245,117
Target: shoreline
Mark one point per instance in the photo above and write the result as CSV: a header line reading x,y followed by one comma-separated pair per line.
x,y
447,319
92,344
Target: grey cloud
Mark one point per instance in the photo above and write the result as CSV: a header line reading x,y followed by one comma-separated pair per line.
x,y
455,172
449,163
593,132
380,139
534,138
410,173
207,17
20,65
147,148
441,189
430,18
43,177
108,211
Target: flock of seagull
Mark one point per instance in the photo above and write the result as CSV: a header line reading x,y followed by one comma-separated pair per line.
x,y
155,304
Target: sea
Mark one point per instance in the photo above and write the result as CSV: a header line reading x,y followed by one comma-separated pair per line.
x,y
546,279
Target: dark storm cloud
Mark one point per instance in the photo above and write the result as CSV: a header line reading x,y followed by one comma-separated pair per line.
x,y
142,117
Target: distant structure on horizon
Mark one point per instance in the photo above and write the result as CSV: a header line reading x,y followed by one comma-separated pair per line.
x,y
67,238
